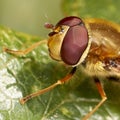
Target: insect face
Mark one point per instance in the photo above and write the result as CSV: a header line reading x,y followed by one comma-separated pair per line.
x,y
68,42
56,40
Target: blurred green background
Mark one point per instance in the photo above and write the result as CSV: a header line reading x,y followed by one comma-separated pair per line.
x,y
29,16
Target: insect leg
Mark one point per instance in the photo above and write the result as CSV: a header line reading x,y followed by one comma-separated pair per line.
x,y
26,51
102,94
59,82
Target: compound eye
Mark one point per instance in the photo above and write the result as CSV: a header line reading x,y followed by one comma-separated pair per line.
x,y
74,44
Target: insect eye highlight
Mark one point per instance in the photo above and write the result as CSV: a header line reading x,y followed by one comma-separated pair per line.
x,y
61,29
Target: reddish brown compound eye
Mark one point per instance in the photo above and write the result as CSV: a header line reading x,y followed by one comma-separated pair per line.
x,y
70,21
75,41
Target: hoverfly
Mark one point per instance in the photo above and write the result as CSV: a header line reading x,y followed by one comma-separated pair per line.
x,y
93,43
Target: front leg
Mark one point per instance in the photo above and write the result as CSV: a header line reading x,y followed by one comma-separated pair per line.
x,y
26,51
59,82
